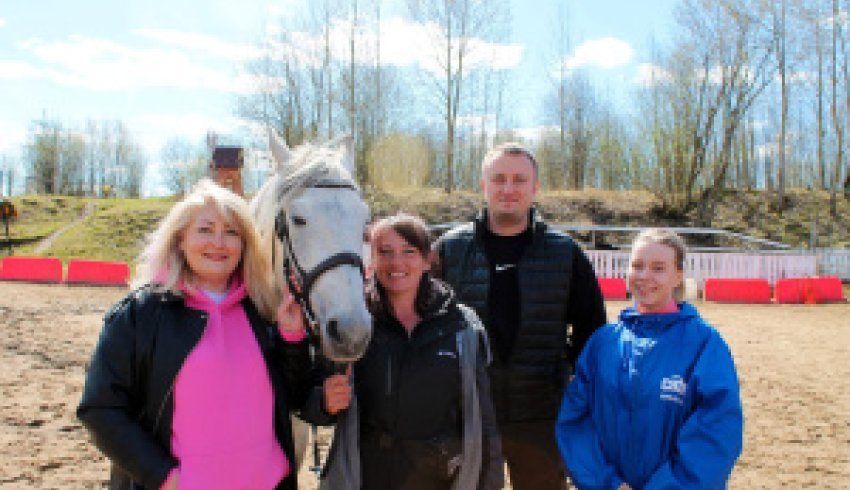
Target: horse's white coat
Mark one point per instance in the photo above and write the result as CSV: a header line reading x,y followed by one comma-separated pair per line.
x,y
322,222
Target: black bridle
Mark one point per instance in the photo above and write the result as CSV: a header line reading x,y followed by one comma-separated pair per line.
x,y
301,281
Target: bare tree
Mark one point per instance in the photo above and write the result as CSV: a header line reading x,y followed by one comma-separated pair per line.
x,y
459,21
779,33
838,127
183,164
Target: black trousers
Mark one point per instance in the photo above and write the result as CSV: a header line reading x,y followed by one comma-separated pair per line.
x,y
532,456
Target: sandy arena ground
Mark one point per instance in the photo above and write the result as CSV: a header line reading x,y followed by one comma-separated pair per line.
x,y
794,364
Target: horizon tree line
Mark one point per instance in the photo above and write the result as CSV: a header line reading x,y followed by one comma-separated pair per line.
x,y
750,94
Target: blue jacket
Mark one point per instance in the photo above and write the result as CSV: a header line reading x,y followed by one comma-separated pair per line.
x,y
655,403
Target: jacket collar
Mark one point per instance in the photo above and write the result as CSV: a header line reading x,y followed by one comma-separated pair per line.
x,y
480,223
656,322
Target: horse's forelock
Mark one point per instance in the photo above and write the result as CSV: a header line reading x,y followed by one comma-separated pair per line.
x,y
308,165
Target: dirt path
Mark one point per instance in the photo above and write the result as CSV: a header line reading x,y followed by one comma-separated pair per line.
x,y
793,361
45,244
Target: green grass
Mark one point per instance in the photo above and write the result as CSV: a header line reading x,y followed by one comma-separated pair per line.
x,y
117,228
39,216
116,231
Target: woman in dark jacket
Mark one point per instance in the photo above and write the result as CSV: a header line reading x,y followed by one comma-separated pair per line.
x,y
191,381
410,392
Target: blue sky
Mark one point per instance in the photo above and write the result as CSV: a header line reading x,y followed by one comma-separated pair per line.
x,y
174,68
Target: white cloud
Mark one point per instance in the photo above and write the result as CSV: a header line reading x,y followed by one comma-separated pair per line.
x,y
19,70
153,129
718,73
800,77
107,65
476,121
2,22
606,53
649,75
202,42
402,43
12,136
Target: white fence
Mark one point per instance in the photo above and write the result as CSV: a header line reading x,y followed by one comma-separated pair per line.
x,y
701,266
834,262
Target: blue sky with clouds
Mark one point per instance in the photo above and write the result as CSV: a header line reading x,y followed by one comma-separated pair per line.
x,y
169,68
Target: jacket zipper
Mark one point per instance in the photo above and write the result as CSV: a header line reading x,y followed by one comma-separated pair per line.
x,y
170,391
389,373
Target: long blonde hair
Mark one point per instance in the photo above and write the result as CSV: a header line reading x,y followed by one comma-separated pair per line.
x,y
163,265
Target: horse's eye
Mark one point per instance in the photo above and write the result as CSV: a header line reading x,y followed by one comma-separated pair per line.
x,y
298,220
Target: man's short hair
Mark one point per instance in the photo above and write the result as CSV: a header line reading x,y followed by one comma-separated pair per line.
x,y
509,148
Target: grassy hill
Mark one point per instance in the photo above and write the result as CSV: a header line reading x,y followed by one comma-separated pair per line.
x,y
115,229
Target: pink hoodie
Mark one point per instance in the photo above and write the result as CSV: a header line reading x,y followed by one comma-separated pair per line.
x,y
223,426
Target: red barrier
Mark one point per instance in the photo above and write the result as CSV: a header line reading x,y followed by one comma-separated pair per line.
x,y
808,290
828,289
612,288
737,290
792,291
34,269
97,272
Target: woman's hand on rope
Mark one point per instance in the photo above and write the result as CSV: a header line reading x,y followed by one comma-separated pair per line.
x,y
338,391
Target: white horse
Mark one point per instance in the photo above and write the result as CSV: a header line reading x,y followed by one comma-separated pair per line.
x,y
312,220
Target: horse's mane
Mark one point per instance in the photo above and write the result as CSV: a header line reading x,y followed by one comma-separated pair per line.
x,y
308,165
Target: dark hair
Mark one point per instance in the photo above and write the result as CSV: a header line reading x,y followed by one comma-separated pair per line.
x,y
415,232
412,228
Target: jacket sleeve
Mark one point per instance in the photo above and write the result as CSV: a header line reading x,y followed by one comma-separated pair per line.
x,y
492,463
576,432
711,438
436,258
586,307
111,403
313,411
296,368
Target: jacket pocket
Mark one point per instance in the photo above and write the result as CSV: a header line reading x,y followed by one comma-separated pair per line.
x,y
439,455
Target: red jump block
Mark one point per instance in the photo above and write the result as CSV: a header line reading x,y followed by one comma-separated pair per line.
x,y
33,269
737,290
98,273
828,289
612,288
809,290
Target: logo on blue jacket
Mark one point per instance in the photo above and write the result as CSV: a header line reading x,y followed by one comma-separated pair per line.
x,y
673,389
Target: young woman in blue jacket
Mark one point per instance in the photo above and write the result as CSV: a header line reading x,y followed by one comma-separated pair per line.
x,y
655,401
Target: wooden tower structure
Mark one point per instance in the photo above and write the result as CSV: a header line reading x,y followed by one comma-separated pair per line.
x,y
226,167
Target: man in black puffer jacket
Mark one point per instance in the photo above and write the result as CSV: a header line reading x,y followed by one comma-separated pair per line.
x,y
538,297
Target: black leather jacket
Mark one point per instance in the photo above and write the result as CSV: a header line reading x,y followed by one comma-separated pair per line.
x,y
558,289
127,403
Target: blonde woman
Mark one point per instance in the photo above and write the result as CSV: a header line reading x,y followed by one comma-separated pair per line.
x,y
191,382
655,402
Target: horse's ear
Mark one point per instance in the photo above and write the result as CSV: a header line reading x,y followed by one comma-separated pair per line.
x,y
345,144
280,152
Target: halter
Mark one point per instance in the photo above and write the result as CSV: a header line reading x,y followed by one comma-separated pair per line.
x,y
304,279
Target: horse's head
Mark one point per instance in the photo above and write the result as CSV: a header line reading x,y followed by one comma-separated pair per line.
x,y
312,216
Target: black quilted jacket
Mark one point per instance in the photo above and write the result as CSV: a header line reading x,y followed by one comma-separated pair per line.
x,y
558,289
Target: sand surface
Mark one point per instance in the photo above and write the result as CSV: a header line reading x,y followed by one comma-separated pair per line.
x,y
793,361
